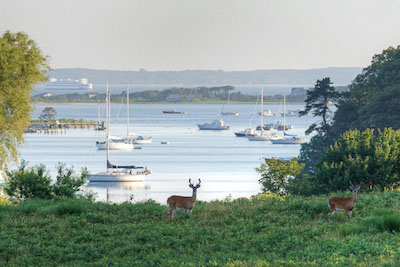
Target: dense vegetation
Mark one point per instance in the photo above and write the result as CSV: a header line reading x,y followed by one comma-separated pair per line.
x,y
373,101
185,95
291,231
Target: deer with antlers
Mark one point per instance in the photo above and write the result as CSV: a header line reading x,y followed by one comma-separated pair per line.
x,y
345,203
186,203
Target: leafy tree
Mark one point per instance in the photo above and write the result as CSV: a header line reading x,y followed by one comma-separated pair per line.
x,y
317,102
276,174
48,114
22,64
361,157
68,183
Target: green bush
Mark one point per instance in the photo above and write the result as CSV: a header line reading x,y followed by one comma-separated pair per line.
x,y
35,182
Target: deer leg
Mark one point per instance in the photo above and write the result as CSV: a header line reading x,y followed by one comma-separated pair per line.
x,y
333,210
347,212
190,212
350,213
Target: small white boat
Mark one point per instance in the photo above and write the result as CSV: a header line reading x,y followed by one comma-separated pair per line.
x,y
287,140
248,131
120,174
261,136
231,113
267,113
115,145
215,125
140,140
292,113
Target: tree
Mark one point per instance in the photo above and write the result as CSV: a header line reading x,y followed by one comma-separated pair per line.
x,y
370,92
317,102
276,174
48,114
22,64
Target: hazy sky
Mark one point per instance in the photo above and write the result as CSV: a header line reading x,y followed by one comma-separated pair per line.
x,y
206,34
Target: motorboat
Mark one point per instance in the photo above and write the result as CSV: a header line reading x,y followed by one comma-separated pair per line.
x,y
140,140
215,125
173,111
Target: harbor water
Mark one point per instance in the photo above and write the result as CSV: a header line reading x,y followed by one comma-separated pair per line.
x,y
224,163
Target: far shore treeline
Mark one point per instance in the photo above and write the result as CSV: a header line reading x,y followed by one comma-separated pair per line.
x,y
179,95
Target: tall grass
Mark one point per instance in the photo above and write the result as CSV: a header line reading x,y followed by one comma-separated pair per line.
x,y
261,231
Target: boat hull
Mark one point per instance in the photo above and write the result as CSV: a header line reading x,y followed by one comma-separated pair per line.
x,y
285,141
114,146
232,113
142,142
201,127
258,138
119,177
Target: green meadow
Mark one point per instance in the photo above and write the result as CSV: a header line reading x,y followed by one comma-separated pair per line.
x,y
267,230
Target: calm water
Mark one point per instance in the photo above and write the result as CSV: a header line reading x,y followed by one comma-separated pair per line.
x,y
224,162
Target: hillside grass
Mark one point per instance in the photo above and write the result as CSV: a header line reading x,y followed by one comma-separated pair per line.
x,y
267,231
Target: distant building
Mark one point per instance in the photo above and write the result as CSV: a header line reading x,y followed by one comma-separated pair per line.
x,y
298,91
173,98
48,95
90,95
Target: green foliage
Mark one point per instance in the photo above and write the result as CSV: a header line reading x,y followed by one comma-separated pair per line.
x,y
373,96
22,65
276,174
361,157
35,182
26,183
48,114
317,102
295,231
68,183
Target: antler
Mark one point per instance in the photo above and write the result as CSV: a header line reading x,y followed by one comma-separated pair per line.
x,y
190,184
351,183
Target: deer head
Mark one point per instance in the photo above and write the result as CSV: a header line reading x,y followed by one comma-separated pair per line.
x,y
194,187
355,189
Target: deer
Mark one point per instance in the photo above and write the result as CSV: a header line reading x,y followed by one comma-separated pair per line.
x,y
345,204
186,203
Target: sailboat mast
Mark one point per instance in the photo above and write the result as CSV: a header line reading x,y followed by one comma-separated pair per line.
x,y
262,110
108,121
284,113
127,111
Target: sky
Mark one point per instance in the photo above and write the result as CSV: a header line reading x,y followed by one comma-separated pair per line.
x,y
206,34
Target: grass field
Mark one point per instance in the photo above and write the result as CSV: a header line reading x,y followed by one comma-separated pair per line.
x,y
294,231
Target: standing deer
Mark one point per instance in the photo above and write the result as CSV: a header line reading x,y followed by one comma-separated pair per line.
x,y
179,202
344,203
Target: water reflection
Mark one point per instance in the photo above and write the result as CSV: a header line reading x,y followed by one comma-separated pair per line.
x,y
118,192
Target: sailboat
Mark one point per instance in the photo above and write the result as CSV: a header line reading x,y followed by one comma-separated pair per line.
x,y
261,135
114,173
228,111
286,139
112,142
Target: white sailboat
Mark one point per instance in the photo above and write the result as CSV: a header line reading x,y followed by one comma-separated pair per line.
x,y
228,111
114,143
261,135
286,139
116,173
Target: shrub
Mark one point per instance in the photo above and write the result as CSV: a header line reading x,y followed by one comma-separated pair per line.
x,y
35,182
276,174
26,183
